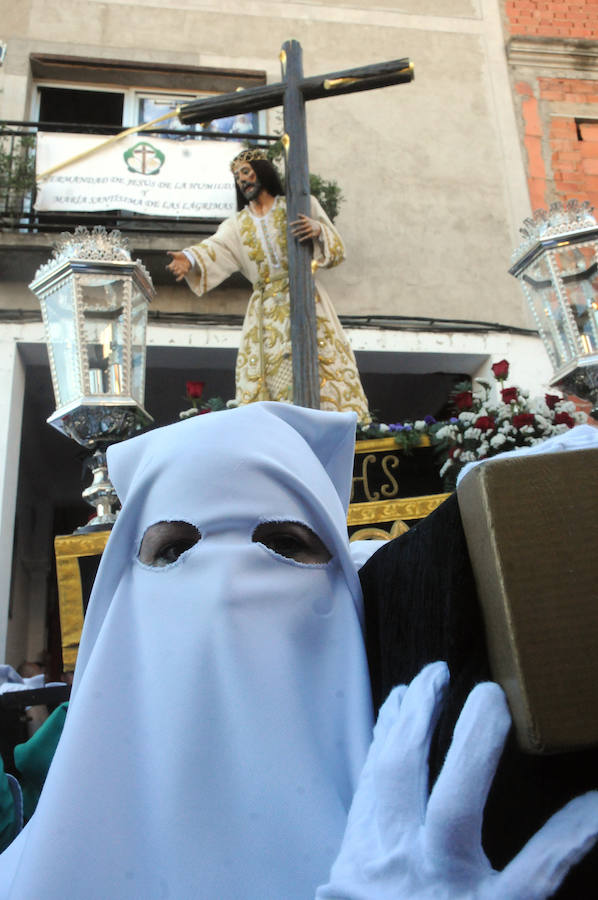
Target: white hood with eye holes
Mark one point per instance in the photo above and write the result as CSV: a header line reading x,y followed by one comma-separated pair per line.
x,y
221,711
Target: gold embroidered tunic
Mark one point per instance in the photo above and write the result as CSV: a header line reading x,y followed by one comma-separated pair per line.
x,y
257,246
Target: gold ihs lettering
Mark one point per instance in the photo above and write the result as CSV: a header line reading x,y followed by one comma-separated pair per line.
x,y
392,489
364,478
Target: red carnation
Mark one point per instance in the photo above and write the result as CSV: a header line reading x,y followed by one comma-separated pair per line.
x,y
195,389
563,418
523,419
551,400
501,370
464,400
485,423
509,394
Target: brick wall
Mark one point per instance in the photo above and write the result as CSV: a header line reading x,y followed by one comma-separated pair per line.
x,y
561,148
560,140
553,18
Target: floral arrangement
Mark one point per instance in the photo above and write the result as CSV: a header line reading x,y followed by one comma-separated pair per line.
x,y
482,427
199,406
407,435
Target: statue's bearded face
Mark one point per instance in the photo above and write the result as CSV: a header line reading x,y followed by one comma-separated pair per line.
x,y
248,182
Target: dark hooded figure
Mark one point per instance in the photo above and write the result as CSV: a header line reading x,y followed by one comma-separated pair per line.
x,y
420,596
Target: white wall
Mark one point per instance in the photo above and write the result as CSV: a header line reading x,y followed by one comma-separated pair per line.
x,y
12,379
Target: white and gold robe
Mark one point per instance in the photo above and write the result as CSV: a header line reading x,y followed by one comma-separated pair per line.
x,y
257,247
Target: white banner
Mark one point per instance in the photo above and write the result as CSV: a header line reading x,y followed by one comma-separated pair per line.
x,y
138,174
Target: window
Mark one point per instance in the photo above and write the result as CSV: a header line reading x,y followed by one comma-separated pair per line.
x,y
109,94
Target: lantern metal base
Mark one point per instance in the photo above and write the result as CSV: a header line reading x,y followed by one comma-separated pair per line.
x,y
581,379
101,494
94,422
93,526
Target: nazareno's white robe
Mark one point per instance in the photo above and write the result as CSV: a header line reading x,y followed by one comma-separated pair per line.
x,y
257,247
221,710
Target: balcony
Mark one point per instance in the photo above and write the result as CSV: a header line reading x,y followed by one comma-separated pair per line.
x,y
26,234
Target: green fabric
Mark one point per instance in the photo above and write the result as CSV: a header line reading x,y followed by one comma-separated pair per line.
x,y
7,810
33,758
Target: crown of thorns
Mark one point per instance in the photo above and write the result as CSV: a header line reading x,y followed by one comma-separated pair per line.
x,y
247,156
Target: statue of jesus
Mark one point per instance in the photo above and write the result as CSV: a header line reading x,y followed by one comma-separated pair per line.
x,y
254,242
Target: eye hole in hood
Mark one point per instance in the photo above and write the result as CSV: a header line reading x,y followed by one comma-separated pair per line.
x,y
292,540
164,542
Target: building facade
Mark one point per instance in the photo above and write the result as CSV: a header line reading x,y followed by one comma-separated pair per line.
x,y
437,177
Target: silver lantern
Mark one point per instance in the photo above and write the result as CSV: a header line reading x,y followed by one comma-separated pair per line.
x,y
557,267
94,301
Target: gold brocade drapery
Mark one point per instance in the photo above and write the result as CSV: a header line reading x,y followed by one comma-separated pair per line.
x,y
69,550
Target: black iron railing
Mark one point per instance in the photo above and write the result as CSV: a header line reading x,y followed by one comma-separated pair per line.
x,y
18,189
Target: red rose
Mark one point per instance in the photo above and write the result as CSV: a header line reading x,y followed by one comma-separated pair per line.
x,y
508,394
485,423
501,370
195,389
551,400
563,418
464,400
523,419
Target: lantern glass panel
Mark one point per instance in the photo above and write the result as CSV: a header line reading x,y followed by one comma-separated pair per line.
x,y
62,343
138,326
543,297
104,305
579,271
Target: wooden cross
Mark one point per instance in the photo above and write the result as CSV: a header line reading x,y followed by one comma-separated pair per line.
x,y
292,93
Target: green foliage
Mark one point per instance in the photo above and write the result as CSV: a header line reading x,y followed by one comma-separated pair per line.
x,y
328,193
215,404
17,166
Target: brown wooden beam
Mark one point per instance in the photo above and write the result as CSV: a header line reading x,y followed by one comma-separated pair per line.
x,y
306,380
348,81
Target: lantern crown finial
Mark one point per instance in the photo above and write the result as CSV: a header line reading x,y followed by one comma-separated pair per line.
x,y
563,216
95,245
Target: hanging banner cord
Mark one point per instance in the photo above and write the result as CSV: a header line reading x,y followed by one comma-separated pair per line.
x,y
102,144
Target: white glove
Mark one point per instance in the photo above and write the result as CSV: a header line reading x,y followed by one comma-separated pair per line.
x,y
401,844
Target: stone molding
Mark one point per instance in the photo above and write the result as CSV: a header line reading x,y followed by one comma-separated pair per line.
x,y
548,53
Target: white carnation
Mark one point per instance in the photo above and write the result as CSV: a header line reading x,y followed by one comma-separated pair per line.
x,y
497,441
539,407
472,434
445,467
447,431
565,406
